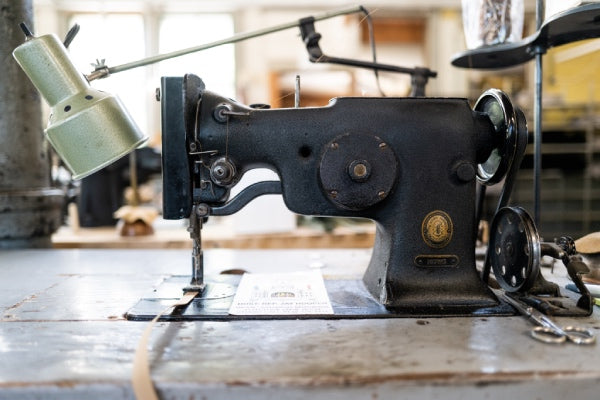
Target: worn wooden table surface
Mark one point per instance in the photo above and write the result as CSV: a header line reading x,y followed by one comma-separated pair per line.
x,y
63,336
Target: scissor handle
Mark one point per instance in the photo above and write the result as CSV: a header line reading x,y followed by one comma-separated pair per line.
x,y
546,334
580,335
575,334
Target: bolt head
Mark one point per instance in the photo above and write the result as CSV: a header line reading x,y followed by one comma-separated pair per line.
x,y
359,170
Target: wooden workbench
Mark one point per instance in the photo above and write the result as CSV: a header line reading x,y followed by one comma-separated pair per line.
x,y
215,236
63,336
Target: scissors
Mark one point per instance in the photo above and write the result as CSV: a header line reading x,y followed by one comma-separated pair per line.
x,y
548,331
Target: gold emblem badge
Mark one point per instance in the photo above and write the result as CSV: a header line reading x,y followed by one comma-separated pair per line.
x,y
437,229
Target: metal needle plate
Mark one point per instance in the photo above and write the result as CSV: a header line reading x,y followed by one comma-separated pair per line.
x,y
349,299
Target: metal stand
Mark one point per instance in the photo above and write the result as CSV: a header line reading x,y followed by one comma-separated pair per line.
x,y
537,119
30,206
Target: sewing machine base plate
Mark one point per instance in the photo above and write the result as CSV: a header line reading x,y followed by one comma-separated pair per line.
x,y
349,299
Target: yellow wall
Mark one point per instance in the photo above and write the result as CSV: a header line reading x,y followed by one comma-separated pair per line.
x,y
572,73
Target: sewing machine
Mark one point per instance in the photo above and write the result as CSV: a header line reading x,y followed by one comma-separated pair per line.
x,y
409,164
412,165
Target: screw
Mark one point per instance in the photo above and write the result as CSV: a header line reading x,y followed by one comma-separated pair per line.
x,y
359,170
220,112
220,172
202,210
465,172
334,146
381,194
333,193
382,145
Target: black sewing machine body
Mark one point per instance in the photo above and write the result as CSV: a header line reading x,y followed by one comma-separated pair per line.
x,y
409,164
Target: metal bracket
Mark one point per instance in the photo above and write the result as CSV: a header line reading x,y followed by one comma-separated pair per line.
x,y
419,76
247,195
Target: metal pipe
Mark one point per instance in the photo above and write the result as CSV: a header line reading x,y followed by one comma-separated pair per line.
x,y
297,92
537,138
537,120
105,71
30,209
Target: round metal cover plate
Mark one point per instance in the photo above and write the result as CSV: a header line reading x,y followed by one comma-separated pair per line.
x,y
357,171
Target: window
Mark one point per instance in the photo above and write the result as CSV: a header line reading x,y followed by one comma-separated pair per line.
x,y
215,66
118,38
122,37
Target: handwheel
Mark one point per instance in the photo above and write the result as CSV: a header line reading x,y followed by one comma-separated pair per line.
x,y
501,112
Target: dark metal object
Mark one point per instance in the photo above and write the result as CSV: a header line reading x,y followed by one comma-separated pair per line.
x,y
419,76
246,196
26,30
578,23
505,160
357,171
537,150
402,162
70,35
511,130
547,330
515,252
499,109
514,249
30,208
195,229
222,172
567,244
102,71
177,121
539,51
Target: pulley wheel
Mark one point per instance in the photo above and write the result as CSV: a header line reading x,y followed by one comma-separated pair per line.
x,y
514,249
501,112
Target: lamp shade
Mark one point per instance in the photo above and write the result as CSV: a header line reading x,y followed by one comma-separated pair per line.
x,y
88,128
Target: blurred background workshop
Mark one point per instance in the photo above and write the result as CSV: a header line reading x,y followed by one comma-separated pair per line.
x,y
425,33
447,149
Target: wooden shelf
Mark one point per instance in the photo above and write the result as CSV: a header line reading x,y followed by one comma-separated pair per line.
x,y
395,30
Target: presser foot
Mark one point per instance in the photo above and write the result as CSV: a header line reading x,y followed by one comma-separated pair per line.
x,y
195,288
